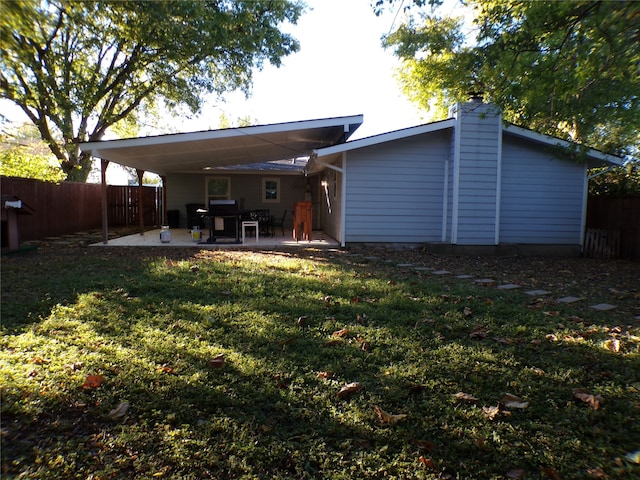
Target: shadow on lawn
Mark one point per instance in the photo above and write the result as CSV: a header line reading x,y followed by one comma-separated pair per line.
x,y
153,328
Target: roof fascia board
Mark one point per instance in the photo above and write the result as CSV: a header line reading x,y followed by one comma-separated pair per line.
x,y
552,141
385,137
350,124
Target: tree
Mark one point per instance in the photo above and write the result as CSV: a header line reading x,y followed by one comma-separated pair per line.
x,y
23,154
77,68
569,69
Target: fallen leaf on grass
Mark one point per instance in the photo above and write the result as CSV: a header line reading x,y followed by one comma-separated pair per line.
x,y
427,462
120,411
349,389
341,333
165,369
217,361
424,445
516,473
511,401
387,417
479,331
467,397
93,381
597,473
633,457
551,473
492,412
594,401
613,345
467,312
326,374
39,361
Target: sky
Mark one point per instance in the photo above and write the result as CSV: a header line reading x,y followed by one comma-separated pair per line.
x,y
341,69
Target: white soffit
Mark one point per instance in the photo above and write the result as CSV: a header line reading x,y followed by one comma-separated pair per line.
x,y
199,151
385,137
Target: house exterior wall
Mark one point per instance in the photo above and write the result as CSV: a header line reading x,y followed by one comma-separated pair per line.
x,y
542,195
245,188
331,200
476,173
395,190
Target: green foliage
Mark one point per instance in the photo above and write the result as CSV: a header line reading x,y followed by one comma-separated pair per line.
x,y
23,154
148,323
18,162
568,69
623,180
79,68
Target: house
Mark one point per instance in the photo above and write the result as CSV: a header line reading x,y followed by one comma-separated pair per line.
x,y
467,183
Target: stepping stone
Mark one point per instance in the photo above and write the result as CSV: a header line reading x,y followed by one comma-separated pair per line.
x,y
508,286
603,307
405,265
422,269
485,281
569,299
370,258
537,292
441,272
464,277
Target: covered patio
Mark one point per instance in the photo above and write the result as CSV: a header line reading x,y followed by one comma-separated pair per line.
x,y
186,163
182,238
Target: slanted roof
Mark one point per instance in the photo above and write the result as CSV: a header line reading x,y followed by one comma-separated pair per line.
x,y
595,158
197,152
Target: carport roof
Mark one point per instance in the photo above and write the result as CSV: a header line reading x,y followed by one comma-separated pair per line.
x,y
198,152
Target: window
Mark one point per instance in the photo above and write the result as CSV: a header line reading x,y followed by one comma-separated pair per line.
x,y
218,188
271,190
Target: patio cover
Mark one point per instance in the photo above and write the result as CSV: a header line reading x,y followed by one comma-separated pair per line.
x,y
197,152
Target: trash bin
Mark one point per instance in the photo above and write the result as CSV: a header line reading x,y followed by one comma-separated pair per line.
x,y
194,219
173,218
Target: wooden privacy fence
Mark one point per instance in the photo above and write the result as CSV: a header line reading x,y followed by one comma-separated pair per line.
x,y
69,207
613,226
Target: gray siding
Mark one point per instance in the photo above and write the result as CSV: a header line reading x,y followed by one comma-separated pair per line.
x,y
395,190
542,196
477,173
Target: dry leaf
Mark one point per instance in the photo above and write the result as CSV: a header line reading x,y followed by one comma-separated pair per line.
x,y
423,445
349,389
597,473
341,333
427,462
594,401
511,401
217,361
365,347
326,375
387,417
119,412
613,345
551,473
516,473
165,369
93,381
492,412
467,397
302,321
467,312
479,331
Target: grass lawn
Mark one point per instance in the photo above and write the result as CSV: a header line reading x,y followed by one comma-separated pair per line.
x,y
189,364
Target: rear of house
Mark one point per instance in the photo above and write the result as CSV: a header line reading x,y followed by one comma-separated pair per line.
x,y
465,183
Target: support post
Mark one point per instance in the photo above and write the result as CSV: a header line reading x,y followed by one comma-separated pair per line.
x,y
140,174
105,222
165,219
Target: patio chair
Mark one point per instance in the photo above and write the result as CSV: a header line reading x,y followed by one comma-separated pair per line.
x,y
264,220
278,223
